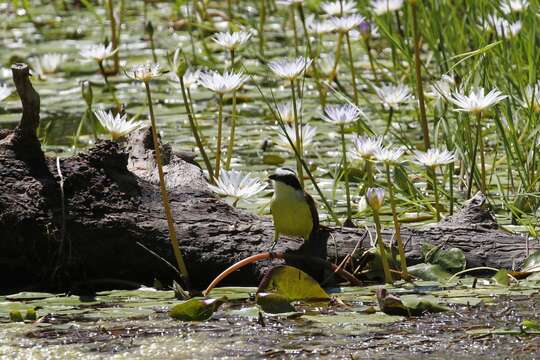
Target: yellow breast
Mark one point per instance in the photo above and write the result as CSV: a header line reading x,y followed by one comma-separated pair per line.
x,y
291,213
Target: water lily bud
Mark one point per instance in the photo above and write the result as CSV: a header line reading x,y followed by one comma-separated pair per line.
x,y
86,90
365,30
375,198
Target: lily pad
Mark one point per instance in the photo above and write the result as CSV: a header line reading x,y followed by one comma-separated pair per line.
x,y
196,309
532,263
294,284
274,303
429,272
27,296
501,277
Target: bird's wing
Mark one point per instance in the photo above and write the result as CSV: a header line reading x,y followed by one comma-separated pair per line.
x,y
313,210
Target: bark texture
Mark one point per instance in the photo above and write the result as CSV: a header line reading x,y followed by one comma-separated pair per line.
x,y
66,223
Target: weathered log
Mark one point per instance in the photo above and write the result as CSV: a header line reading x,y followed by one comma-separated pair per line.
x,y
111,204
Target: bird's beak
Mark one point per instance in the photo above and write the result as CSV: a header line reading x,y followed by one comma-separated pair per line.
x,y
272,177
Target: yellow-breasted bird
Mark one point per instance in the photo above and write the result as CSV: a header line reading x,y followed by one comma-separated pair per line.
x,y
293,210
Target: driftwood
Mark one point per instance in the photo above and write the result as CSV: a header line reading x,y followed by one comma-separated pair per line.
x,y
83,219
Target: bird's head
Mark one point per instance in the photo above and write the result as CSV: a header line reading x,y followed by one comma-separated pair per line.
x,y
285,177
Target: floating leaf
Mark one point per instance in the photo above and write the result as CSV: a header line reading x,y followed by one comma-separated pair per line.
x,y
23,296
451,260
274,303
196,309
532,263
429,272
530,325
294,284
273,159
501,277
408,305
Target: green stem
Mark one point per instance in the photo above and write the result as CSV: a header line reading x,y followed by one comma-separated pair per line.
x,y
353,72
397,225
473,159
193,125
482,158
433,172
297,132
163,189
230,147
333,73
295,32
418,71
346,175
451,181
382,251
114,38
262,21
232,59
109,86
219,135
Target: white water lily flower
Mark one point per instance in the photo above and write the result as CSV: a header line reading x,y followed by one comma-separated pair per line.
x,y
509,6
289,2
144,72
375,198
318,27
222,84
502,27
191,78
237,185
531,98
117,125
307,133
289,69
365,147
232,40
48,63
381,7
339,7
286,111
341,114
98,52
5,91
346,23
434,157
392,96
477,101
388,155
326,63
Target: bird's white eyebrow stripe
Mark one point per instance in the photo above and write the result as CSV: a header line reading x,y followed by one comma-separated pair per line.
x,y
284,171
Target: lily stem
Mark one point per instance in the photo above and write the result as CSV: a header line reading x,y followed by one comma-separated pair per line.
x,y
346,176
382,251
164,195
397,225
298,135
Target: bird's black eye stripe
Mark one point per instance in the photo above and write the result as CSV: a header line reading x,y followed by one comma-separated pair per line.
x,y
289,179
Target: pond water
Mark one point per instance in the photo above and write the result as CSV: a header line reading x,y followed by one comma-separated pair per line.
x,y
484,322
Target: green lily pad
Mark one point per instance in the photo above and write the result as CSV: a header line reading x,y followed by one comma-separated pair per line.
x,y
24,296
501,277
451,260
532,263
274,303
408,305
294,284
196,309
530,325
429,272
273,159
